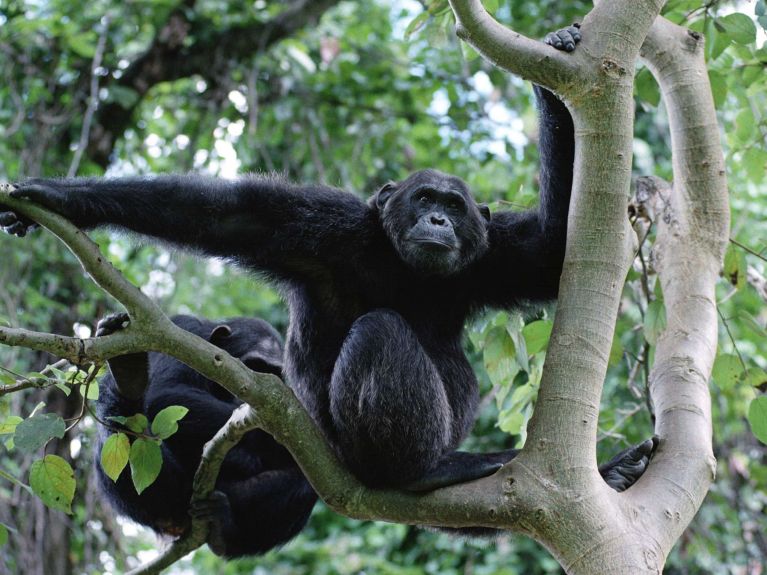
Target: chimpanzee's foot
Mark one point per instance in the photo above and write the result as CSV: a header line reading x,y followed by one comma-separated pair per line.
x,y
623,470
217,510
130,371
459,467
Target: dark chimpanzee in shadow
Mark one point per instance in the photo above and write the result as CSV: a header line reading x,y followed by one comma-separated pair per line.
x,y
262,499
379,292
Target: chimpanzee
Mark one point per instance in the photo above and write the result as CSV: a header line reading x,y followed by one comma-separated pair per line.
x,y
262,499
378,292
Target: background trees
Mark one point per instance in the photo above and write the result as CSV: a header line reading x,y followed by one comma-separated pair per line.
x,y
353,94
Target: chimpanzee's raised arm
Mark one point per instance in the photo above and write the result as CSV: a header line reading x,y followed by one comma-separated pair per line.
x,y
526,249
259,220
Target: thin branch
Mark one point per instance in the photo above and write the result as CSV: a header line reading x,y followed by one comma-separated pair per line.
x,y
242,420
93,99
748,249
732,339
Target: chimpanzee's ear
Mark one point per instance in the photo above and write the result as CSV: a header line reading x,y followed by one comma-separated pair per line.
x,y
383,195
219,333
485,211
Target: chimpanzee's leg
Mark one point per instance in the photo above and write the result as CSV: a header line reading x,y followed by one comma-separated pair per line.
x,y
392,419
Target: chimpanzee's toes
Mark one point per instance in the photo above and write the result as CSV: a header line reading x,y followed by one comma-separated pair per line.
x,y
623,470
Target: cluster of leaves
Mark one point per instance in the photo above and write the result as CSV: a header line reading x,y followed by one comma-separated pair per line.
x,y
144,452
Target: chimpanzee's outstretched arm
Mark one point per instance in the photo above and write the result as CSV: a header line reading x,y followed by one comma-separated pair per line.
x,y
256,219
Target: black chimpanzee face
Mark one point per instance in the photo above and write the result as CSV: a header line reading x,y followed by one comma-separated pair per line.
x,y
433,222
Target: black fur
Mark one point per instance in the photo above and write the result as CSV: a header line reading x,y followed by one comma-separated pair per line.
x,y
378,293
261,500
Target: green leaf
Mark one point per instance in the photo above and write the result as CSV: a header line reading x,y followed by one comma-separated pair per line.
x,y
717,41
9,424
114,455
416,24
757,377
137,423
654,321
498,356
83,44
735,266
53,481
718,87
646,87
757,418
727,370
752,73
34,432
755,164
3,535
537,335
92,391
145,463
165,422
64,387
739,27
511,421
745,125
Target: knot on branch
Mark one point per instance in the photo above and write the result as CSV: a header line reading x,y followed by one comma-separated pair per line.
x,y
652,200
693,41
612,68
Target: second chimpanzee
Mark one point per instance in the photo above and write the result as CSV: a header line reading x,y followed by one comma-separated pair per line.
x,y
261,500
379,292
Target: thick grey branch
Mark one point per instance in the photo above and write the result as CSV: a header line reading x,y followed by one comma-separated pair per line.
x,y
693,230
509,50
89,255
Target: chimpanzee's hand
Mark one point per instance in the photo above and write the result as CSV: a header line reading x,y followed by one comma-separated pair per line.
x,y
112,323
11,222
46,193
564,39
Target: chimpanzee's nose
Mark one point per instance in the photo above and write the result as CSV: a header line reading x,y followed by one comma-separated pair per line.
x,y
437,219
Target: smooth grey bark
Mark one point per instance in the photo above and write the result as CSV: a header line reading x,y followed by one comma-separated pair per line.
x,y
586,526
